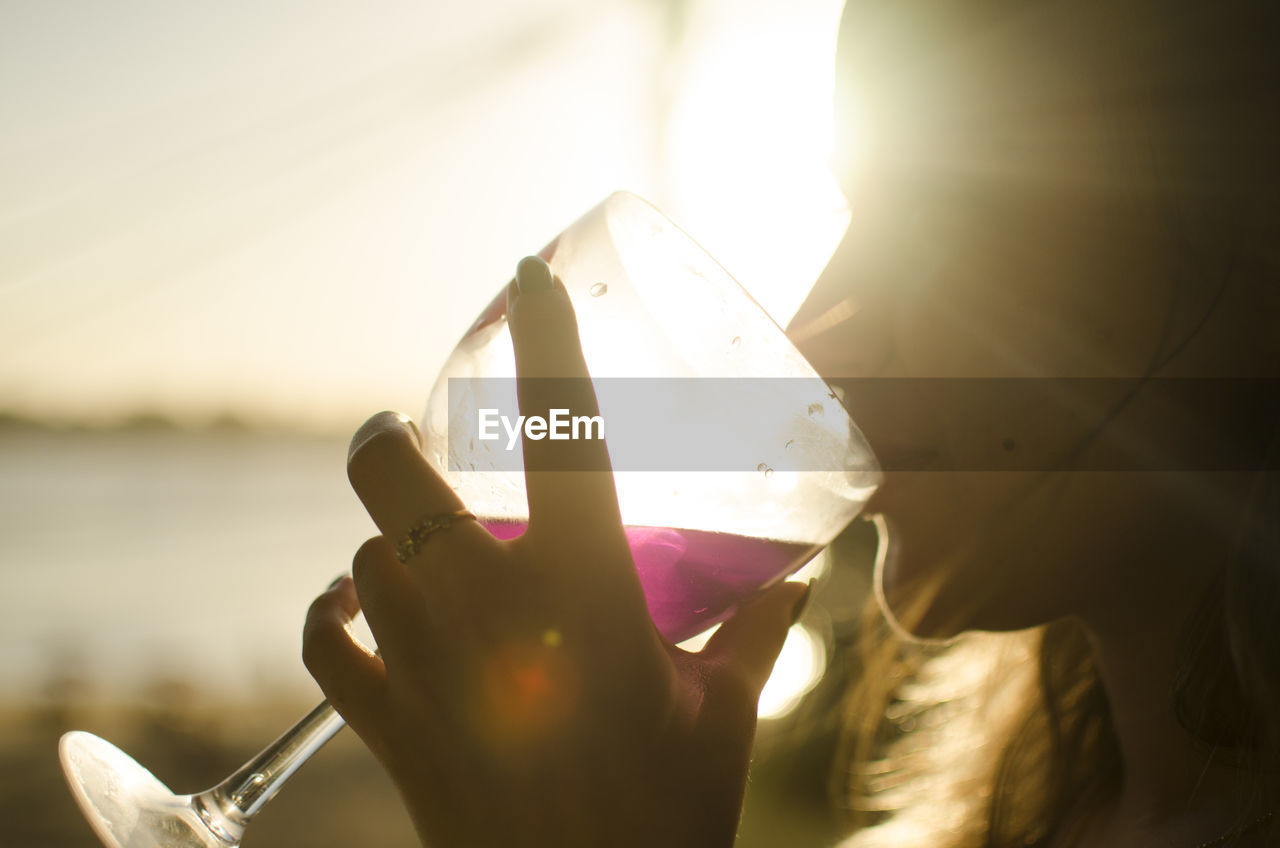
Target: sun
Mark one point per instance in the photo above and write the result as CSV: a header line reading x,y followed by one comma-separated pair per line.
x,y
749,145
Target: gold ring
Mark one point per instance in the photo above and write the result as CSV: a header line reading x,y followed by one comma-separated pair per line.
x,y
418,534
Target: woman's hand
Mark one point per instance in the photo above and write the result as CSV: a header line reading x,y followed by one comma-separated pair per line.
x,y
522,695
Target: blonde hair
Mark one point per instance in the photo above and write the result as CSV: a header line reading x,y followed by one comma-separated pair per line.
x,y
926,775
998,740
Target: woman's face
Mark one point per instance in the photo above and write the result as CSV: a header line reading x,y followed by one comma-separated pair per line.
x,y
1009,221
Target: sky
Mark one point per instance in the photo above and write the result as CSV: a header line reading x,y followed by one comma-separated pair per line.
x,y
290,211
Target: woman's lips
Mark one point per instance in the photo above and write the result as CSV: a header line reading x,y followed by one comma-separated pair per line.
x,y
895,458
875,503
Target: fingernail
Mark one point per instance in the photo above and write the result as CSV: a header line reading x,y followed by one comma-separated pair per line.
x,y
533,274
417,434
802,603
335,582
379,424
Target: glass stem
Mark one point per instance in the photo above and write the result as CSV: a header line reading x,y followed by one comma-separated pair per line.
x,y
228,807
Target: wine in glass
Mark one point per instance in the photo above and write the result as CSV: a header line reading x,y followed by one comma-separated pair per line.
x,y
734,462
712,520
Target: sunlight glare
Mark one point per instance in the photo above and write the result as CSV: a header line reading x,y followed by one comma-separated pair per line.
x,y
749,148
798,669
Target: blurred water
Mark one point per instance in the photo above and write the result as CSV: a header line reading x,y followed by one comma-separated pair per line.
x,y
129,556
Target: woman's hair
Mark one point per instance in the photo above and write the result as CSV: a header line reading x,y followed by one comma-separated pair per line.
x,y
997,740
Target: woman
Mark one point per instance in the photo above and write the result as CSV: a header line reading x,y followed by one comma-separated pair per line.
x,y
1041,190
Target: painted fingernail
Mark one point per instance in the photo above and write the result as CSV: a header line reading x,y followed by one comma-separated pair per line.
x,y
417,434
802,603
379,424
533,274
335,582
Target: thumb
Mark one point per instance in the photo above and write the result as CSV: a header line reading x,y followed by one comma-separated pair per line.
x,y
749,642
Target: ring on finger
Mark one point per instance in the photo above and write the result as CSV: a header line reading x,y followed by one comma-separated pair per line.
x,y
418,534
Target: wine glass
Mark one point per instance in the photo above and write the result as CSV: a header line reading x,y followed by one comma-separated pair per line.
x,y
734,464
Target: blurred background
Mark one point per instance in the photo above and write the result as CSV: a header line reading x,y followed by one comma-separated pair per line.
x,y
229,232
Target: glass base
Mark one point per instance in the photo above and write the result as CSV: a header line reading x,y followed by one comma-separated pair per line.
x,y
126,805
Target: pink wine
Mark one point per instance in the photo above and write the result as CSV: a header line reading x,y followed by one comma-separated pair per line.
x,y
693,579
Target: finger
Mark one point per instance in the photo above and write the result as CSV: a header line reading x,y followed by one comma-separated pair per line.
x,y
400,489
393,606
567,478
747,645
350,677
738,659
